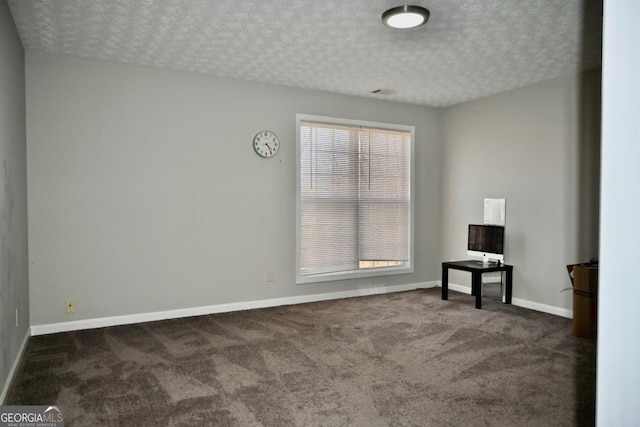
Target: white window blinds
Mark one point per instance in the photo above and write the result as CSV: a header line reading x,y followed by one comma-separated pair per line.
x,y
354,200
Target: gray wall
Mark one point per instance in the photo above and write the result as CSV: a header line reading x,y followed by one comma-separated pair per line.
x,y
145,194
618,399
538,147
14,282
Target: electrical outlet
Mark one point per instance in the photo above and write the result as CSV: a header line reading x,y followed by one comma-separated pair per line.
x,y
70,306
269,276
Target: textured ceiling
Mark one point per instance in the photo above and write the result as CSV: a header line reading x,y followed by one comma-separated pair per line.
x,y
468,49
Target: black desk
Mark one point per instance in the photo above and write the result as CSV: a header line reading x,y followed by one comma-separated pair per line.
x,y
476,268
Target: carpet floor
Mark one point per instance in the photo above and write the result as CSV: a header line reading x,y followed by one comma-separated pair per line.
x,y
399,359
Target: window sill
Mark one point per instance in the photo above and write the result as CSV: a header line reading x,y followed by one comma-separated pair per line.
x,y
357,274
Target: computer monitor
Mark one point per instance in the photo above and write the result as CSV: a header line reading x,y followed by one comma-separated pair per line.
x,y
486,241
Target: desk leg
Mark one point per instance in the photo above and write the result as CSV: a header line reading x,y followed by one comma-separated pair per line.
x,y
445,282
476,287
509,286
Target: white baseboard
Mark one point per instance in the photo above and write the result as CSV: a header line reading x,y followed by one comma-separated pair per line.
x,y
77,325
557,311
14,368
459,288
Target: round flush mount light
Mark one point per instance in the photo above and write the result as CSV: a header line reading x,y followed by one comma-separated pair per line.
x,y
405,17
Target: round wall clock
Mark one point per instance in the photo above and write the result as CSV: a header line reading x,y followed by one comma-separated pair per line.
x,y
266,144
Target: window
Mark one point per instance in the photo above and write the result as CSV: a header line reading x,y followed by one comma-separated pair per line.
x,y
355,199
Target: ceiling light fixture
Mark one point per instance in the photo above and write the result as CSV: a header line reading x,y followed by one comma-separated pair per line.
x,y
405,17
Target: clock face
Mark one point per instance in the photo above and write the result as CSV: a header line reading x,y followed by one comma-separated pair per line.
x,y
266,144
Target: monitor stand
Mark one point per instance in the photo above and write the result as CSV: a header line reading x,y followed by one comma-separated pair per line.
x,y
486,262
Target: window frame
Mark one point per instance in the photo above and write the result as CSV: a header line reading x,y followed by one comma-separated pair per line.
x,y
367,272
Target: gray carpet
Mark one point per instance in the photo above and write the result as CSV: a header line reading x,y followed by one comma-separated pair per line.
x,y
401,359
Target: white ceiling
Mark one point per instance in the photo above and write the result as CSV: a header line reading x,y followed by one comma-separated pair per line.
x,y
468,49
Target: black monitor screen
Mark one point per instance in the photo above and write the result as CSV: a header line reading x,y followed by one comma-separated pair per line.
x,y
486,238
